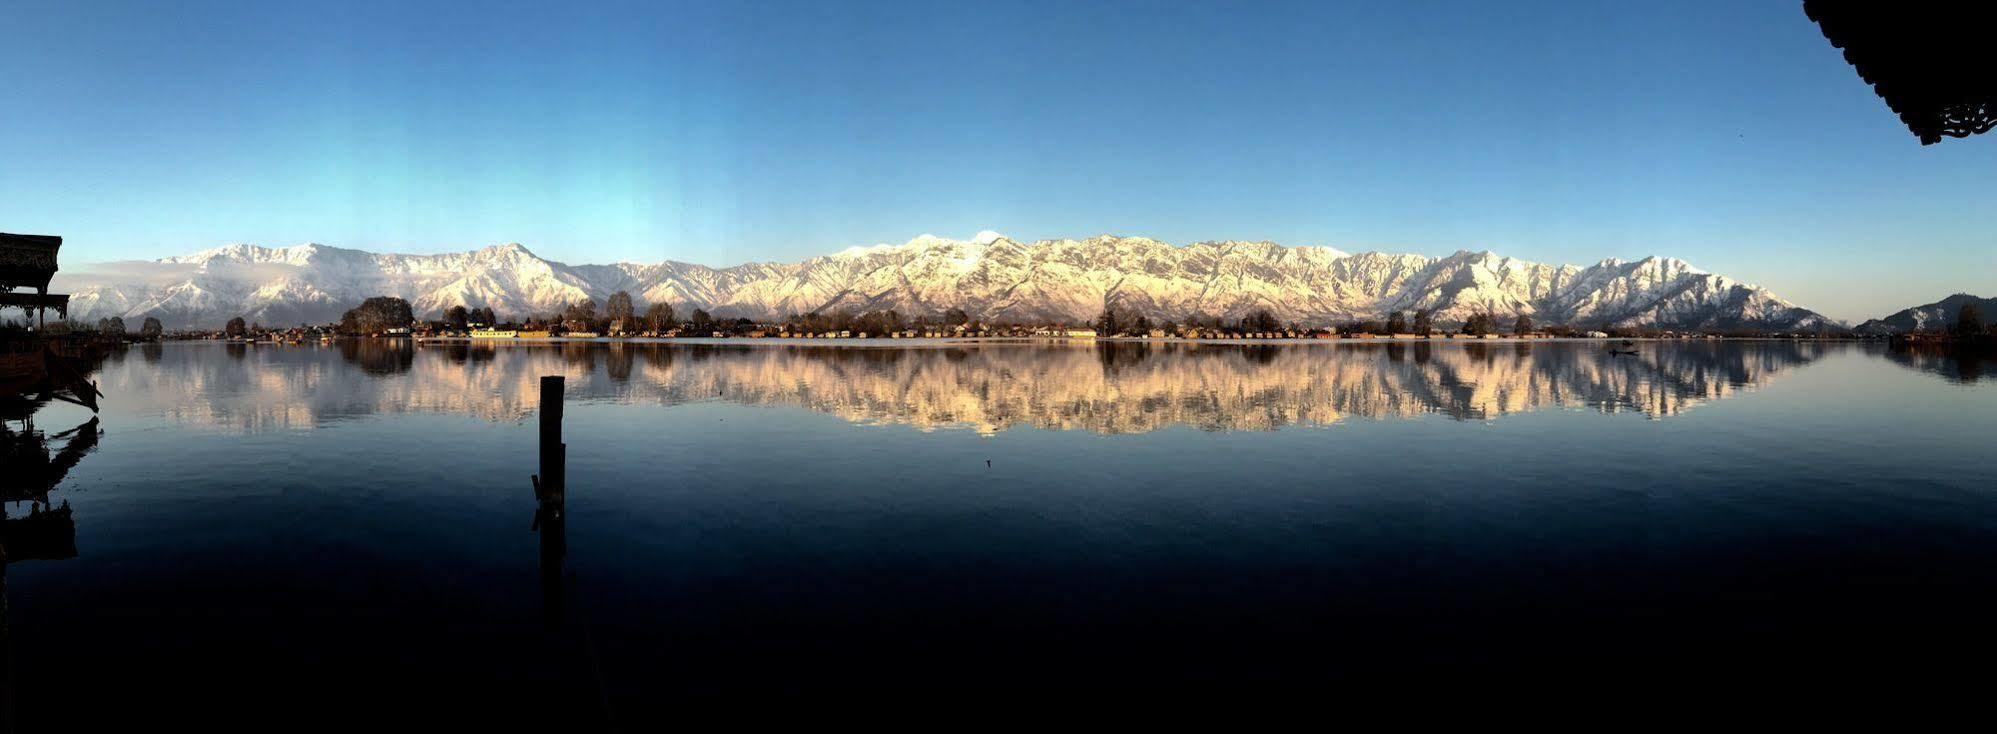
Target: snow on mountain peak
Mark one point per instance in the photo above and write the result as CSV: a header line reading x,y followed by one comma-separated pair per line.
x,y
509,249
864,250
920,242
1680,265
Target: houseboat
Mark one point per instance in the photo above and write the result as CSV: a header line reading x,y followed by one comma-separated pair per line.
x,y
32,362
495,334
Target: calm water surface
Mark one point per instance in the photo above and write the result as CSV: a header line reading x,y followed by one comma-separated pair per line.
x,y
346,529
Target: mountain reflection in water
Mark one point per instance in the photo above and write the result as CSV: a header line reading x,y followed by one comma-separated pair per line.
x,y
1963,363
350,530
1108,387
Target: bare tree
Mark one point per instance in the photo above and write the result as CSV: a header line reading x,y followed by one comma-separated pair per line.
x,y
660,317
619,307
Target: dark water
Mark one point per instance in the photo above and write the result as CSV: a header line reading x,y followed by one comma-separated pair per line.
x,y
342,532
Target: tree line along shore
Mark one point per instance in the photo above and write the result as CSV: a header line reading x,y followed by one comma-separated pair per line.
x,y
388,316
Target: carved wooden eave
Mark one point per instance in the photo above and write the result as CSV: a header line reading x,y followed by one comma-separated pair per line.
x,y
1930,60
27,261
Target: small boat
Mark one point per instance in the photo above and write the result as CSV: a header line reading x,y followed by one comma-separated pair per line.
x,y
1618,352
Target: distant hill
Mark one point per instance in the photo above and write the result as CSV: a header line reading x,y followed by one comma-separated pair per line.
x,y
991,277
1937,316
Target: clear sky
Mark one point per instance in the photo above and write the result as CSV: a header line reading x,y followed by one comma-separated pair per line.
x,y
1730,134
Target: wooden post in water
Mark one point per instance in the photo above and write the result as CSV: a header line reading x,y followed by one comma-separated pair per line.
x,y
553,452
550,494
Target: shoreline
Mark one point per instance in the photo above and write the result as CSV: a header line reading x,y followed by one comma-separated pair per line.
x,y
1060,341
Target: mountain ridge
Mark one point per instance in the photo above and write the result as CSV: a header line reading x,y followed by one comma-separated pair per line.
x,y
1939,315
990,276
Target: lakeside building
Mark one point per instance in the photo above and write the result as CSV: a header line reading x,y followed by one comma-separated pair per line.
x,y
1060,332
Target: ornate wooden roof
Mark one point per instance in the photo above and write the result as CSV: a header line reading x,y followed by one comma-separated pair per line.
x,y
1931,60
27,260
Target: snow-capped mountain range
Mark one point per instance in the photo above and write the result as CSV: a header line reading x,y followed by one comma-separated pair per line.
x,y
990,276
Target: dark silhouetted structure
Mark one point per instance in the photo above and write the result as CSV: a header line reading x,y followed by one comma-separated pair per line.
x,y
30,363
35,369
31,470
550,495
1931,61
28,261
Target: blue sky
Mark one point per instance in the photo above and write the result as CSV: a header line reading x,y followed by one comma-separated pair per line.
x,y
1727,133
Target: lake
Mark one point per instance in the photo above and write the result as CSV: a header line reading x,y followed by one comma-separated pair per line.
x,y
350,529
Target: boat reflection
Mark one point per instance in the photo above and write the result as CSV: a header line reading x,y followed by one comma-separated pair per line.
x,y
32,470
46,531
